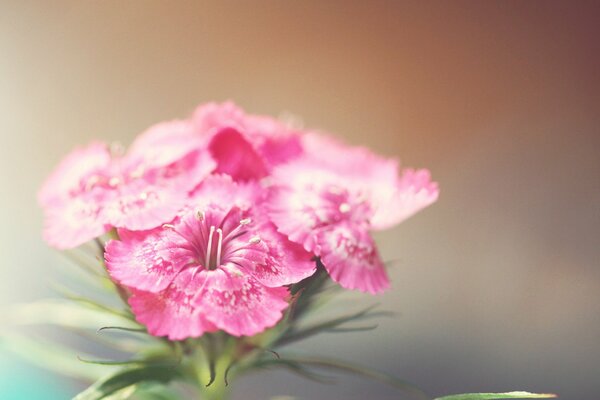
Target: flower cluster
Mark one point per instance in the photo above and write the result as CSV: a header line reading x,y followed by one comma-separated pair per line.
x,y
216,215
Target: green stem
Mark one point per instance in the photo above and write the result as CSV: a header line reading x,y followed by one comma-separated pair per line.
x,y
221,350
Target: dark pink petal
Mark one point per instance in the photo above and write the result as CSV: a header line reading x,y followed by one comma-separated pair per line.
x,y
147,261
235,156
351,258
73,221
171,312
273,141
239,304
69,174
279,150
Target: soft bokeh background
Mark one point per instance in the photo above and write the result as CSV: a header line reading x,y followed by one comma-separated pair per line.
x,y
498,284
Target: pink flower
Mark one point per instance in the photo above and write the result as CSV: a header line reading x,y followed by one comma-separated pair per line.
x,y
219,265
246,147
329,199
95,189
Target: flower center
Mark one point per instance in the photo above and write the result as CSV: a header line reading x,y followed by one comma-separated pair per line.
x,y
218,240
213,257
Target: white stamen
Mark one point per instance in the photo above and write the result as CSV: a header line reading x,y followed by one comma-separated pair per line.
x,y
168,226
219,244
245,221
254,240
344,207
209,247
114,181
92,182
200,215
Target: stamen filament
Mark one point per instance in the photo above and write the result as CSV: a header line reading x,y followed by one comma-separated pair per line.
x,y
209,247
219,244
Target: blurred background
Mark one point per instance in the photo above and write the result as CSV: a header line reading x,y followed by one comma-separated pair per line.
x,y
497,285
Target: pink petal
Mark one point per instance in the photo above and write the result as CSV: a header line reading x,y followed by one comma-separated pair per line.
x,y
68,175
73,221
164,143
306,198
414,191
147,261
239,304
272,140
213,116
171,312
222,190
140,206
286,262
351,258
235,156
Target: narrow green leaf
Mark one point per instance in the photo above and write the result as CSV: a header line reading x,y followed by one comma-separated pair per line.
x,y
122,328
296,368
497,396
110,362
293,335
67,293
126,378
365,372
354,329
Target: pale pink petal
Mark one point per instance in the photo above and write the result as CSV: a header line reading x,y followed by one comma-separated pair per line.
x,y
235,156
164,143
214,116
221,190
293,215
147,261
414,191
351,258
183,175
171,312
239,304
69,174
140,206
305,198
71,222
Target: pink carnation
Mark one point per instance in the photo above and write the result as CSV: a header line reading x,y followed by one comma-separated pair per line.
x,y
94,189
329,199
219,265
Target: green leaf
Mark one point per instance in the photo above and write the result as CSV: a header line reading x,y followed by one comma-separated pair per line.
x,y
365,372
122,328
126,378
294,335
92,303
497,396
296,368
